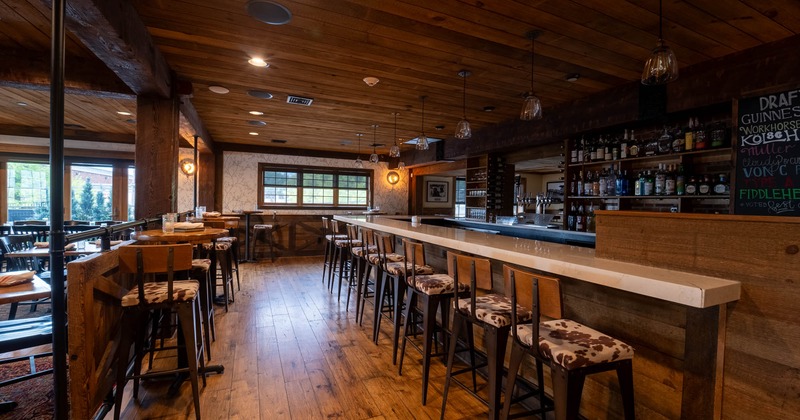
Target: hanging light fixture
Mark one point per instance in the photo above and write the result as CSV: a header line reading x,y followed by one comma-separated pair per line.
x,y
532,106
358,163
374,158
394,151
463,130
422,139
401,166
662,66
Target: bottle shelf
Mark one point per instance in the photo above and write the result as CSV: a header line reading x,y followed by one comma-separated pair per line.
x,y
661,157
649,197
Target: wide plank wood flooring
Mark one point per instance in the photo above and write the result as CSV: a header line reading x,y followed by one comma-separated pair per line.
x,y
291,351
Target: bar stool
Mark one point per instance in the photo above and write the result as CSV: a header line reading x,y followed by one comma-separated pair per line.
x,y
434,291
383,289
342,257
180,295
491,312
328,237
224,254
358,262
233,226
571,350
265,231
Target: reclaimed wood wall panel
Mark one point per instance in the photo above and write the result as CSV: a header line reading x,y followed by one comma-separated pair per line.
x,y
762,331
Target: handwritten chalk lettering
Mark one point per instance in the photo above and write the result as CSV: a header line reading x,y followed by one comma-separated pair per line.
x,y
753,204
767,149
772,137
781,207
779,100
770,193
759,171
747,125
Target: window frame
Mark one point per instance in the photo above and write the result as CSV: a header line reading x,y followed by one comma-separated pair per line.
x,y
304,169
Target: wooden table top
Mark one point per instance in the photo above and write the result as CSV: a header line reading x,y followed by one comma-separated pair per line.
x,y
191,236
91,248
36,289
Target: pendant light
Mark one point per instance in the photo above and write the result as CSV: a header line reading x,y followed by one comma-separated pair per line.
x,y
662,66
463,130
359,163
532,106
374,158
395,149
401,166
422,140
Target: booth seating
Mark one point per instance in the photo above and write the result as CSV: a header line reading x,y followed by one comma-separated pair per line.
x,y
182,296
571,350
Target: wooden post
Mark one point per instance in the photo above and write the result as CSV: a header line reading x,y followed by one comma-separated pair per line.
x,y
3,189
703,354
156,155
119,189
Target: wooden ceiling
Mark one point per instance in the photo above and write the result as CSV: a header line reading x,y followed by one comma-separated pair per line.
x,y
414,47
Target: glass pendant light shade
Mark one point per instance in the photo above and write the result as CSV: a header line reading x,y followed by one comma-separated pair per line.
x,y
531,108
374,158
358,163
422,139
401,165
394,151
662,66
463,130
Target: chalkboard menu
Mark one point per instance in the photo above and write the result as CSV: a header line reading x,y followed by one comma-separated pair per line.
x,y
768,155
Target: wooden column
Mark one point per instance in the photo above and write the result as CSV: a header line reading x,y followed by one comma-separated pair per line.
x,y
156,155
119,191
3,191
206,182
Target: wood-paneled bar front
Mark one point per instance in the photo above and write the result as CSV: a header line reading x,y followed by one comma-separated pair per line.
x,y
708,312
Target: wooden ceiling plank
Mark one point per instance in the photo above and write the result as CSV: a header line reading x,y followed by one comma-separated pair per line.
x,y
745,18
70,134
783,12
113,31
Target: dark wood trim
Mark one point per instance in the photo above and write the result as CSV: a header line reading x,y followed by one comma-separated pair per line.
x,y
114,32
302,169
69,134
271,150
41,154
156,155
439,168
189,112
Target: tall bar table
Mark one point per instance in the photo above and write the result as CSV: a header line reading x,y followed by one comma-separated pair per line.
x,y
247,214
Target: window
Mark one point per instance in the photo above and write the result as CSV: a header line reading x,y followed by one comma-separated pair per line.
x,y
28,191
461,197
91,192
313,187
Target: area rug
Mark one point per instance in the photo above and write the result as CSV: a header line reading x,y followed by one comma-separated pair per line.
x,y
34,397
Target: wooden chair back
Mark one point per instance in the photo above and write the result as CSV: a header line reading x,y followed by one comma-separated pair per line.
x,y
335,227
538,294
464,266
326,225
352,232
145,261
414,252
385,244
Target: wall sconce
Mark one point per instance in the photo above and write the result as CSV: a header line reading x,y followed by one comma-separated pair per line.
x,y
392,177
187,166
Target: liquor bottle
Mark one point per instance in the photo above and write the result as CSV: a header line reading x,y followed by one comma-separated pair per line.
x,y
688,144
638,185
721,186
587,183
607,154
600,152
699,136
596,184
669,184
679,141
649,183
623,147
626,183
602,181
619,186
680,181
660,180
633,149
571,217
664,144
581,146
615,149
704,185
718,135
691,186
592,151
579,185
573,154
611,182
579,225
590,219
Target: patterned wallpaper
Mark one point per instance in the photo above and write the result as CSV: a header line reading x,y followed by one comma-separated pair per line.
x,y
240,172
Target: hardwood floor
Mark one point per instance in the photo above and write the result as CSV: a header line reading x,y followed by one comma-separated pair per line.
x,y
290,350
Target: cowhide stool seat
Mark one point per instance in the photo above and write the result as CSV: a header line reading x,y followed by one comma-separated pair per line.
x,y
570,349
494,314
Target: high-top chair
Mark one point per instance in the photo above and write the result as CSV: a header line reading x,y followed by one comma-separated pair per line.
x,y
342,257
431,292
224,262
491,312
144,262
384,289
571,350
232,226
358,264
328,237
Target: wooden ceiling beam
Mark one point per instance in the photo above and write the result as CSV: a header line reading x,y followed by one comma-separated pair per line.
x,y
31,70
69,134
192,125
114,32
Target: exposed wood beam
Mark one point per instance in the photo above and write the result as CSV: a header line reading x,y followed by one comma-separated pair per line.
x,y
69,133
235,147
84,76
191,124
40,153
114,32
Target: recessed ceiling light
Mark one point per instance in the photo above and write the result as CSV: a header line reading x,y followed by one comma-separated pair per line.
x,y
130,121
259,94
269,12
439,127
258,62
219,89
573,77
257,123
20,103
256,113
124,113
253,133
371,81
488,108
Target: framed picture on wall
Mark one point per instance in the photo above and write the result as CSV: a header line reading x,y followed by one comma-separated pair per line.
x,y
556,191
437,191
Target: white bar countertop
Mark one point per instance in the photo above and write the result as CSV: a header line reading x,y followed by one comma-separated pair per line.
x,y
579,263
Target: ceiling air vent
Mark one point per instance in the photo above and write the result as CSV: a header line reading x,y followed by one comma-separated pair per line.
x,y
299,100
279,141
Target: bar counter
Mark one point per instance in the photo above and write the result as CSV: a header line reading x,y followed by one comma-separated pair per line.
x,y
684,288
